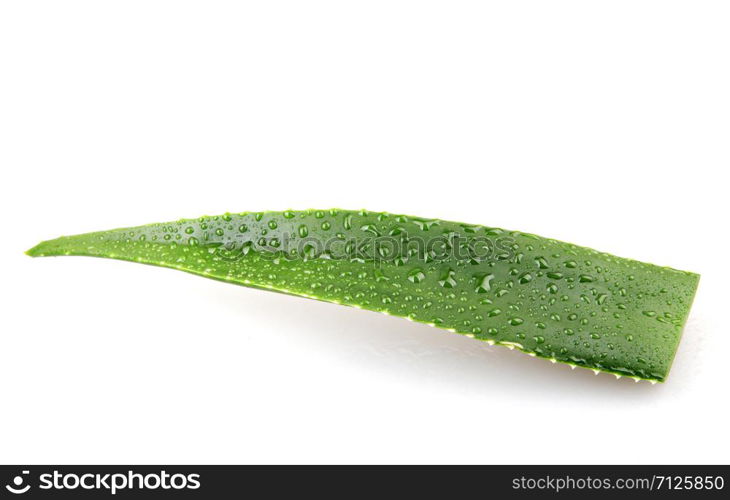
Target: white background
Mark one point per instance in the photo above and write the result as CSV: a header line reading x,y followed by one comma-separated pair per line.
x,y
601,123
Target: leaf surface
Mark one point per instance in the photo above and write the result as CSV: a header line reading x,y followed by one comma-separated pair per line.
x,y
545,297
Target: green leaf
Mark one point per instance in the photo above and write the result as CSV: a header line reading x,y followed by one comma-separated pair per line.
x,y
547,298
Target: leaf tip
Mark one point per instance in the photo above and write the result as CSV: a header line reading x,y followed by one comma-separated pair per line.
x,y
36,251
45,248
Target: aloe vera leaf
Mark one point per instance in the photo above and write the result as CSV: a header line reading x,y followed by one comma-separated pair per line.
x,y
545,297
